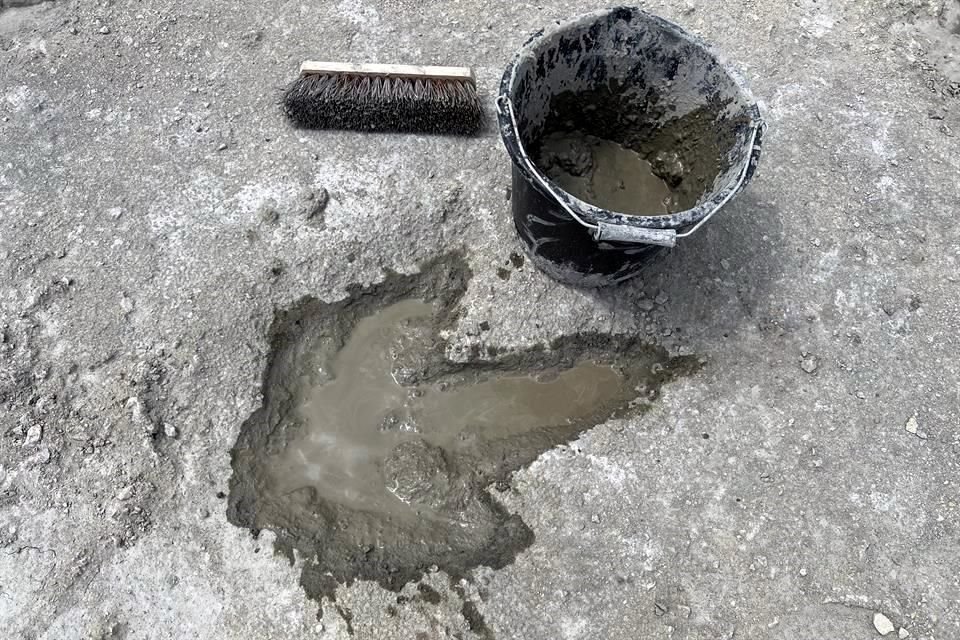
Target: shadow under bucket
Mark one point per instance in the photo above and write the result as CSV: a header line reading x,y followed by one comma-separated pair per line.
x,y
650,95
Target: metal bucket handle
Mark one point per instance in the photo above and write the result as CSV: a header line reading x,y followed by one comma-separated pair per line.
x,y
619,232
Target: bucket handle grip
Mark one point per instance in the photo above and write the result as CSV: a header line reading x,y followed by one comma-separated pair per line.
x,y
618,232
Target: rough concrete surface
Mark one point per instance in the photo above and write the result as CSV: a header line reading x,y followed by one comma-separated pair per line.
x,y
156,209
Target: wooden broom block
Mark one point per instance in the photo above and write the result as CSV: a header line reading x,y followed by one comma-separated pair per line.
x,y
311,67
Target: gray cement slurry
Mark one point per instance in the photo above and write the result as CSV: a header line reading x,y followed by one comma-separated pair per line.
x,y
373,455
359,424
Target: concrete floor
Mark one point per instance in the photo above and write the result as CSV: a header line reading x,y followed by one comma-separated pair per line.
x,y
140,144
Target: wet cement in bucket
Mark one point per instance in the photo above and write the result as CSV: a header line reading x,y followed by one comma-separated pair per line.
x,y
666,164
607,174
376,458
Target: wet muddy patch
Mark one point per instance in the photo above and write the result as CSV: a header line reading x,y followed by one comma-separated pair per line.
x,y
376,458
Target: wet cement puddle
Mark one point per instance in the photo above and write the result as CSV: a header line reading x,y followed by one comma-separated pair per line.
x,y
606,174
375,458
366,436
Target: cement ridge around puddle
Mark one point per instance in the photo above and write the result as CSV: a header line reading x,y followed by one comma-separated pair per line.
x,y
374,457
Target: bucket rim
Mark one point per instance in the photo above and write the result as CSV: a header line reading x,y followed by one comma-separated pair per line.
x,y
597,215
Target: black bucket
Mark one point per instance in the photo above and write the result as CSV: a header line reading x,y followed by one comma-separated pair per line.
x,y
639,81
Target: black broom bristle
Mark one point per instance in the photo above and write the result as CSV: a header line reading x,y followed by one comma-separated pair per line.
x,y
383,103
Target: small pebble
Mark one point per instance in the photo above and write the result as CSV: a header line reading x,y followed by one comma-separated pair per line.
x,y
42,456
314,203
169,430
889,306
810,364
913,427
803,571
903,633
104,30
138,414
222,146
646,305
882,624
34,433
